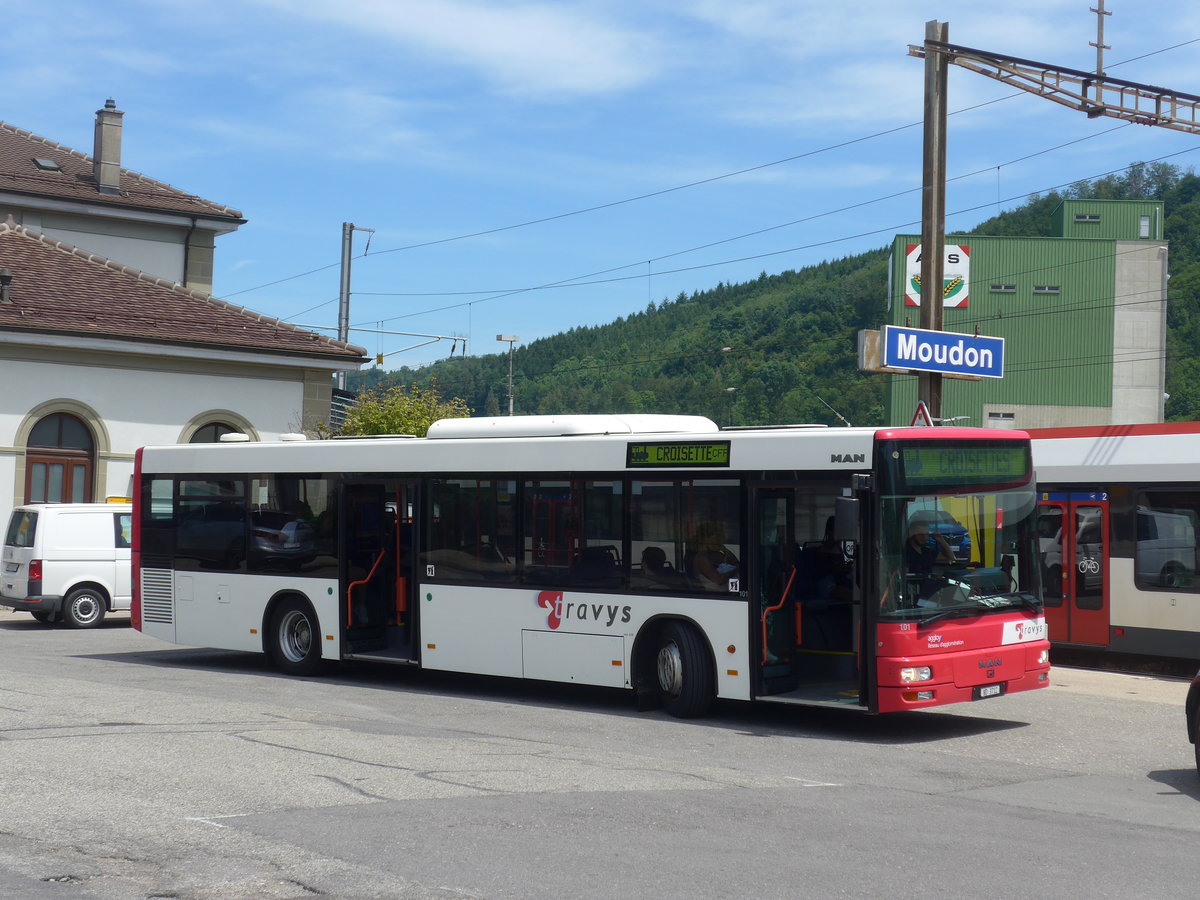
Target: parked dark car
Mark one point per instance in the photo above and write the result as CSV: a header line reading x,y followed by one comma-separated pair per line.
x,y
1193,717
955,534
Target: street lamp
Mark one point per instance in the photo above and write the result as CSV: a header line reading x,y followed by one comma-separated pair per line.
x,y
509,339
729,392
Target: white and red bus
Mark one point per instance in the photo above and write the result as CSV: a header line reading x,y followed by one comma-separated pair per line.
x,y
660,554
1119,517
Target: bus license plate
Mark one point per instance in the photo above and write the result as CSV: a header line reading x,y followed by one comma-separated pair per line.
x,y
988,690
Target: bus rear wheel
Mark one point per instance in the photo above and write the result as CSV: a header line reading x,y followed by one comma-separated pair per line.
x,y
685,677
294,638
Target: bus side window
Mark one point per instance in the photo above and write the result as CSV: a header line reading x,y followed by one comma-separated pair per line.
x,y
470,536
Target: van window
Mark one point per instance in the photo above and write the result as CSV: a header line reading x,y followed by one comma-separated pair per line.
x,y
21,528
122,525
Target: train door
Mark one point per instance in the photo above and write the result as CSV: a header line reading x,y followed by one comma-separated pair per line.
x,y
377,569
1074,538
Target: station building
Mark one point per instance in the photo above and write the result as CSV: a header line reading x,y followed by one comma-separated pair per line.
x,y
1083,315
110,338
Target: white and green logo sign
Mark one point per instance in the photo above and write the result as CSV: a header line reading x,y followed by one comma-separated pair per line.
x,y
956,275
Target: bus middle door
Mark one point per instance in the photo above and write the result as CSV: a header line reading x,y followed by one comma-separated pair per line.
x,y
377,559
776,568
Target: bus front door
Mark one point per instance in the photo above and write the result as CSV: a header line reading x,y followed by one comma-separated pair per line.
x,y
377,559
1073,537
804,615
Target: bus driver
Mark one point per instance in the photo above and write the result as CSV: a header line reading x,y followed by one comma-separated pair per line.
x,y
921,553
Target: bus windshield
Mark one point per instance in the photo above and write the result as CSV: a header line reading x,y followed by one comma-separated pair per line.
x,y
950,551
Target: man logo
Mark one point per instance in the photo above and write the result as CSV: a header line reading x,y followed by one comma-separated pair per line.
x,y
847,457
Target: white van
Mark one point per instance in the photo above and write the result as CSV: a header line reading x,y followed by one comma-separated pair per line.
x,y
68,561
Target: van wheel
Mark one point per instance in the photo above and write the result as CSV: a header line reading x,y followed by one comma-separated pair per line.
x,y
685,677
83,608
294,638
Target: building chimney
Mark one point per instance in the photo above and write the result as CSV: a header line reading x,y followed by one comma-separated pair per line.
x,y
106,158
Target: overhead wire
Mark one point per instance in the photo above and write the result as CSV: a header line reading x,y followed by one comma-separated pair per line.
x,y
1089,304
615,203
580,279
567,281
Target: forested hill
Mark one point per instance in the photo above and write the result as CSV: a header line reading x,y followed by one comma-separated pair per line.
x,y
791,337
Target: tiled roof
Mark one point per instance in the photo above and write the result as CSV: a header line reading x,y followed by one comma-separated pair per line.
x,y
76,180
60,289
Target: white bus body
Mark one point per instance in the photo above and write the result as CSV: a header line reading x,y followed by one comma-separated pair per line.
x,y
422,570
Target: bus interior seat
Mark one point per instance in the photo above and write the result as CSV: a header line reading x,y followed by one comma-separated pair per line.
x,y
658,572
596,567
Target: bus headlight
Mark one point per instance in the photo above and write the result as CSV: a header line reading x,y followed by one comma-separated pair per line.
x,y
915,673
1044,657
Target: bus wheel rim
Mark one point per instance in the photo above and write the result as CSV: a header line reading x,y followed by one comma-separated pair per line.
x,y
295,636
670,669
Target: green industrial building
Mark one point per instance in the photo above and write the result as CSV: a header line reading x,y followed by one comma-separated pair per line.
x,y
1083,316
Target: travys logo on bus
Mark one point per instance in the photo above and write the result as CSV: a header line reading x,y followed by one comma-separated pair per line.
x,y
1023,632
559,610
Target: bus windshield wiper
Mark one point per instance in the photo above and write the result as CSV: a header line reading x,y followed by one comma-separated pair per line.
x,y
955,612
1028,602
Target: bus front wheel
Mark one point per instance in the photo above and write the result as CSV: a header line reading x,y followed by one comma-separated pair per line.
x,y
685,676
295,646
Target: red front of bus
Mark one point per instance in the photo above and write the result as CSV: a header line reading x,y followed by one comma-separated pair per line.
x,y
965,659
959,616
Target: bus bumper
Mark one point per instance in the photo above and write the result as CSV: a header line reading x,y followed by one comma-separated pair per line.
x,y
960,677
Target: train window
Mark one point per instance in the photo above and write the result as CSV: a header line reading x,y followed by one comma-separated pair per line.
x,y
1165,555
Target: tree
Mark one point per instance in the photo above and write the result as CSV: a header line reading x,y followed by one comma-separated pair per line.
x,y
401,410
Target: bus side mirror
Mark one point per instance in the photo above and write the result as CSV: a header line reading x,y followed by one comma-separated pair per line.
x,y
846,519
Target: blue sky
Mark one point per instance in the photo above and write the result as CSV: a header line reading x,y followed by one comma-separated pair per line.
x,y
446,125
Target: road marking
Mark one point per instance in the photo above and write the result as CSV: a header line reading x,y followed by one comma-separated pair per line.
x,y
208,820
809,783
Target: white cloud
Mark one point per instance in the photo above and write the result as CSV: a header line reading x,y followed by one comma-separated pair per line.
x,y
533,48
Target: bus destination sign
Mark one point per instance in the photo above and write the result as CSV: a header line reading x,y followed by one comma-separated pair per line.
x,y
681,455
965,465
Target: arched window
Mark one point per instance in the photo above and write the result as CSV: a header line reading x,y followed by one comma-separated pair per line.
x,y
59,461
210,433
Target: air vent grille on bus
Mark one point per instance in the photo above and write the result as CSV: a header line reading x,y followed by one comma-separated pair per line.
x,y
158,596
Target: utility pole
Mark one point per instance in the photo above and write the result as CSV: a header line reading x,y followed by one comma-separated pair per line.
x,y
1100,46
343,334
510,339
933,209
